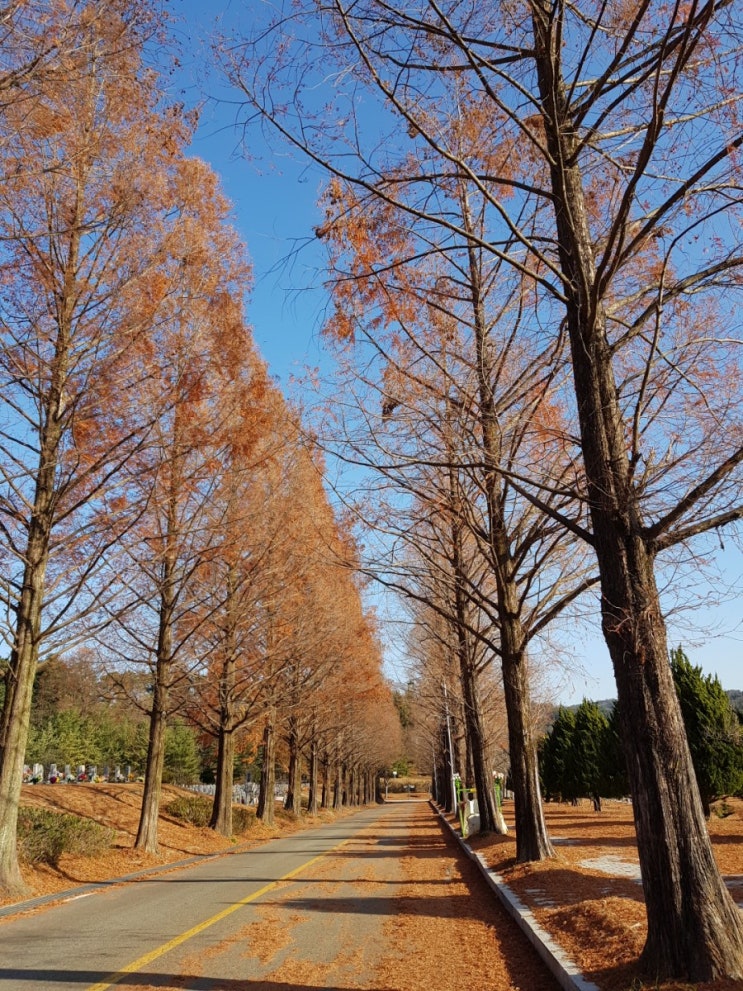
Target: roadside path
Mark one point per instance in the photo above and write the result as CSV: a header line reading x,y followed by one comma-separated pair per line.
x,y
380,900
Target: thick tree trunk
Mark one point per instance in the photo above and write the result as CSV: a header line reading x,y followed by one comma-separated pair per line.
x,y
695,931
23,662
532,838
694,926
221,820
266,800
293,801
312,799
153,777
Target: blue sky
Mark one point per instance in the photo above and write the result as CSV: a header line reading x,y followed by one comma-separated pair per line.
x,y
275,212
274,198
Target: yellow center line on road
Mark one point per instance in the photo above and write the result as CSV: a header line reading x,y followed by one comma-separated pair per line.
x,y
159,951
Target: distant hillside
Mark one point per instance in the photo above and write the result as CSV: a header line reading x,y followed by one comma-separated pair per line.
x,y
606,705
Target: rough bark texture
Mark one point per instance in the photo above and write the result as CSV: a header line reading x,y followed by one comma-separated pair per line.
x,y
25,650
532,838
694,928
221,819
265,809
153,777
23,663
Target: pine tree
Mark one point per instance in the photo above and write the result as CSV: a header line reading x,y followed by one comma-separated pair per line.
x,y
557,758
713,730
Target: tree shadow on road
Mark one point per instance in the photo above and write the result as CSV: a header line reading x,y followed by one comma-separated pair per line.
x,y
149,981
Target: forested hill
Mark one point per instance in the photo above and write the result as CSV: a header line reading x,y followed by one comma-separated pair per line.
x,y
734,694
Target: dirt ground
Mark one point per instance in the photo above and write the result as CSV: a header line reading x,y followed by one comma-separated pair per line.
x,y
588,898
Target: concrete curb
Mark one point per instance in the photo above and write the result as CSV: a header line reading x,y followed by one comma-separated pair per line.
x,y
559,964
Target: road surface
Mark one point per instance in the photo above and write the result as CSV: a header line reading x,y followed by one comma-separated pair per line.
x,y
378,900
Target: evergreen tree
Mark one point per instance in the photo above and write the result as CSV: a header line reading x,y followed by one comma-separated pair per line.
x,y
182,763
590,740
616,781
582,756
713,729
557,758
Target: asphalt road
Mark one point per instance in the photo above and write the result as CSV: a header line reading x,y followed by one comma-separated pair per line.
x,y
374,900
159,930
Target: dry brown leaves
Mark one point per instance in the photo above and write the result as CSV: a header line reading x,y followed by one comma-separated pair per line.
x,y
118,806
599,918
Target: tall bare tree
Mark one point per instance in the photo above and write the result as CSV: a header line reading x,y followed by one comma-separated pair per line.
x,y
613,185
201,374
474,395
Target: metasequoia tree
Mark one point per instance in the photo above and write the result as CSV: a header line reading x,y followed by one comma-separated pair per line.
x,y
322,613
614,187
294,594
227,691
362,728
473,392
202,378
38,40
319,641
81,206
260,558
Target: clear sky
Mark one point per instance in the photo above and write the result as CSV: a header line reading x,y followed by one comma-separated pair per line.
x,y
275,212
274,197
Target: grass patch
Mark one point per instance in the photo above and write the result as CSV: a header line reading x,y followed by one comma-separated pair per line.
x,y
43,836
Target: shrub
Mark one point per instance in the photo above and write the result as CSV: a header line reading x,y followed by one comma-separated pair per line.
x,y
43,836
196,810
193,809
242,819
